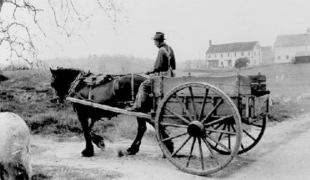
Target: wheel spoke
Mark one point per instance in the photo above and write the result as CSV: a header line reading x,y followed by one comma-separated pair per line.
x,y
181,146
191,152
220,137
173,137
220,131
252,124
218,120
248,134
201,154
211,112
210,149
173,125
193,103
184,108
229,147
242,147
210,132
233,127
203,105
178,115
219,143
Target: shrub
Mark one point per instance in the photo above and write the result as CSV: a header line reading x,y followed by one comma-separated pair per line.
x,y
241,62
15,68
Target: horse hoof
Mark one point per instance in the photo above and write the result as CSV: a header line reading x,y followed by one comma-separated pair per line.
x,y
87,153
131,151
101,145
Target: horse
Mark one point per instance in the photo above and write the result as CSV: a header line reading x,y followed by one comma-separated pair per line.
x,y
114,89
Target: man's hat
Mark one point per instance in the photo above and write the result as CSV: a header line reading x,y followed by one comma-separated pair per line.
x,y
159,36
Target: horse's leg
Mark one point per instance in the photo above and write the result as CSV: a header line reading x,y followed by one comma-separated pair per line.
x,y
135,146
168,143
89,149
98,140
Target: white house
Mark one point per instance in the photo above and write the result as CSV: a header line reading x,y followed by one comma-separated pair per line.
x,y
286,46
225,55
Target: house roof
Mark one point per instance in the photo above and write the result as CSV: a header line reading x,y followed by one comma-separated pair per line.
x,y
266,48
302,53
292,40
232,47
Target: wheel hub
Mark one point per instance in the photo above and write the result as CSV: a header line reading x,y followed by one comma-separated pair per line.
x,y
196,129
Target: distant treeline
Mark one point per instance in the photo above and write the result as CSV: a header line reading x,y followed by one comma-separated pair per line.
x,y
116,64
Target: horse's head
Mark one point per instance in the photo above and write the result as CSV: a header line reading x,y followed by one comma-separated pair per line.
x,y
61,81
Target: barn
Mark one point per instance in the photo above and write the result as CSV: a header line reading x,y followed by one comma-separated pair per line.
x,y
286,46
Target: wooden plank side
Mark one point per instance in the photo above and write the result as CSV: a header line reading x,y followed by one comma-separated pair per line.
x,y
108,108
227,84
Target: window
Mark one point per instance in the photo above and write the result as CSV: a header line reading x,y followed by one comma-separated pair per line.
x,y
287,57
215,55
228,54
249,53
235,54
209,55
241,53
254,53
221,55
279,57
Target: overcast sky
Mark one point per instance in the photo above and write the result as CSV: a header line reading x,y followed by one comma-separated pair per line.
x,y
188,25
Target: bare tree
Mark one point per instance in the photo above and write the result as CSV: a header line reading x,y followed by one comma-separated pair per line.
x,y
22,23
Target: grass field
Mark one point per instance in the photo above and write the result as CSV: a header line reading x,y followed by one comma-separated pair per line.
x,y
289,80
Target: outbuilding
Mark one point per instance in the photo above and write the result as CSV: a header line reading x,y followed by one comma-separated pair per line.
x,y
302,57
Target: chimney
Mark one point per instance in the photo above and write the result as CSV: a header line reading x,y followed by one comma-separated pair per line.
x,y
210,43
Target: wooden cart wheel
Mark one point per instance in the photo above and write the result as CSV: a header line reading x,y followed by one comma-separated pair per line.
x,y
188,116
252,131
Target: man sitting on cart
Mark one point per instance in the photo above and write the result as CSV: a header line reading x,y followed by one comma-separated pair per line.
x,y
163,66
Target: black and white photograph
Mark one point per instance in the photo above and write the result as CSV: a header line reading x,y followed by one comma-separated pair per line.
x,y
154,89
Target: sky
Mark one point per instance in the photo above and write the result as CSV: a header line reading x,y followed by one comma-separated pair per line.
x,y
188,25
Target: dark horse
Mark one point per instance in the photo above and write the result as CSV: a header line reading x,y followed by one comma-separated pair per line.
x,y
108,93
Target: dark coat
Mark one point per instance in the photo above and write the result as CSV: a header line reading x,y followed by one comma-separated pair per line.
x,y
162,61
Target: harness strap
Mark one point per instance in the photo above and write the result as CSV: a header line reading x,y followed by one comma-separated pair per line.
x,y
132,87
116,79
74,84
89,93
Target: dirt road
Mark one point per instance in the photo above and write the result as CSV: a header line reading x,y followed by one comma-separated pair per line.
x,y
283,153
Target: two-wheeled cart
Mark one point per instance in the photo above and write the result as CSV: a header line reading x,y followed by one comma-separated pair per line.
x,y
209,119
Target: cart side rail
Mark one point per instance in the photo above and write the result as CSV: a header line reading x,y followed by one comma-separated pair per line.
x,y
231,85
